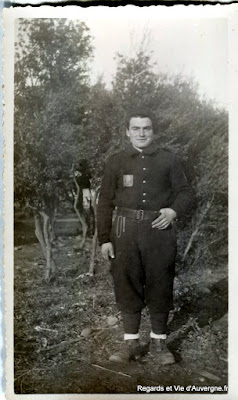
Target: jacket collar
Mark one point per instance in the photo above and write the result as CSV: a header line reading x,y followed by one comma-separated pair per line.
x,y
153,148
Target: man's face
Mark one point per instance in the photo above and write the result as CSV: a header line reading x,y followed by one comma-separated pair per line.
x,y
140,132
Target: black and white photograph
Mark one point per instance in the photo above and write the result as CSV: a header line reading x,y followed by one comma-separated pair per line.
x,y
119,179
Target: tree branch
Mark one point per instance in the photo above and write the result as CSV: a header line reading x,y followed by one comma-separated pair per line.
x,y
195,232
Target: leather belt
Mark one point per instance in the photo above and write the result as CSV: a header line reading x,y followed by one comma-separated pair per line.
x,y
137,214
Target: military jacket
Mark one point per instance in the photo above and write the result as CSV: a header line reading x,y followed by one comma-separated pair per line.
x,y
147,180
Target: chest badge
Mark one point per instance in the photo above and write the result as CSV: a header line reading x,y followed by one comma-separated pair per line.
x,y
127,180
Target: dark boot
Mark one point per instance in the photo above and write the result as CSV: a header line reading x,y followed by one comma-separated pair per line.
x,y
130,350
160,352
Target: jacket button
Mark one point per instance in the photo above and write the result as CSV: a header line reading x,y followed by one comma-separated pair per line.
x,y
144,169
144,181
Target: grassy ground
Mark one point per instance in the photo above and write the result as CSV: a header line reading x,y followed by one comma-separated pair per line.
x,y
55,354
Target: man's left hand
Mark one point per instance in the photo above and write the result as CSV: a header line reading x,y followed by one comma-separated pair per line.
x,y
167,215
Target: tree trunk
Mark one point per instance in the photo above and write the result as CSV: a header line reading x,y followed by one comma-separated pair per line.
x,y
79,215
39,233
94,198
93,252
43,235
52,226
50,264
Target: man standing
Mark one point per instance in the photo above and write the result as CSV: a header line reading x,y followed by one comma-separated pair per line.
x,y
147,188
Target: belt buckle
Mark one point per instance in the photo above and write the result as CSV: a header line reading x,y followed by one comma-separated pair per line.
x,y
141,214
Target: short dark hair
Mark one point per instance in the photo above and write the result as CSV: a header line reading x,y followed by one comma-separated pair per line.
x,y
141,113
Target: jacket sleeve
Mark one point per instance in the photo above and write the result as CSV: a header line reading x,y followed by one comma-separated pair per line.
x,y
183,193
105,203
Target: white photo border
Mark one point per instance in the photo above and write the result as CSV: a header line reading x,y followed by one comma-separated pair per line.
x,y
230,12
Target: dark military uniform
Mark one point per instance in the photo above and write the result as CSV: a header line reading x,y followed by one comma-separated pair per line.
x,y
138,184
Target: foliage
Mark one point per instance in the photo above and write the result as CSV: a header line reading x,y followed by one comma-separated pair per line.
x,y
100,128
51,77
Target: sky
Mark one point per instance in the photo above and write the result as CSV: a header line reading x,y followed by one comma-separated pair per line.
x,y
192,47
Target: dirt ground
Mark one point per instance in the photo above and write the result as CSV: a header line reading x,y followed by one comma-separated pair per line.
x,y
55,353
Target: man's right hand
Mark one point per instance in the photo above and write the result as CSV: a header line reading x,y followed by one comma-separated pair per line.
x,y
107,251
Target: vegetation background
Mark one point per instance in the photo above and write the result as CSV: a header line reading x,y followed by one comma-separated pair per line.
x,y
60,118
